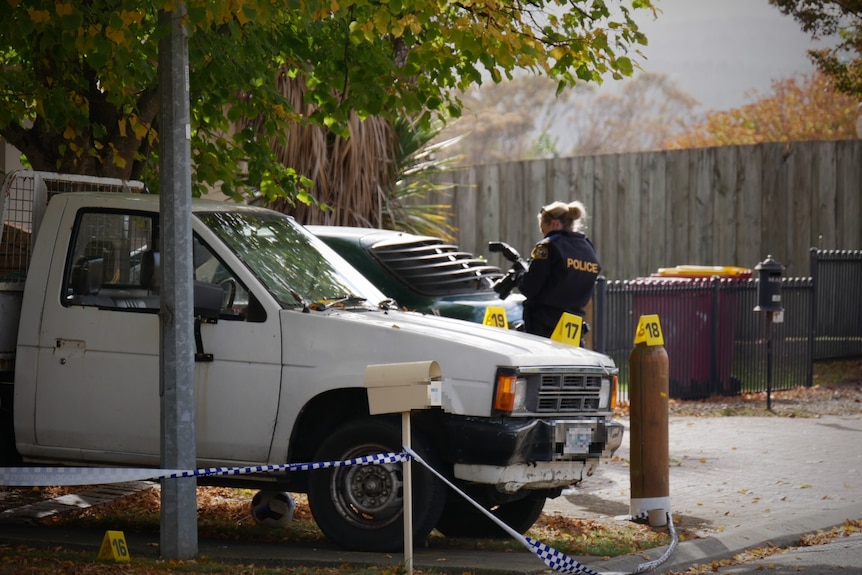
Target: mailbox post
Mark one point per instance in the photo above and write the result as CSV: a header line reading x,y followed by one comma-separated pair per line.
x,y
769,303
401,388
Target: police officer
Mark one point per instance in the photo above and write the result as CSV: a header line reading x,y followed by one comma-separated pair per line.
x,y
563,269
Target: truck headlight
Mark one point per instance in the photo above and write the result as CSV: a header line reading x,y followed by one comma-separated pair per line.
x,y
608,393
510,393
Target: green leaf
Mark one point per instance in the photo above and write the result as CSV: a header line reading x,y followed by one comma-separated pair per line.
x,y
624,65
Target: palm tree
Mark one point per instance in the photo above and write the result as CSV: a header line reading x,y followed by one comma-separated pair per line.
x,y
378,177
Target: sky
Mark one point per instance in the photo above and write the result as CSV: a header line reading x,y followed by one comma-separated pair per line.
x,y
719,51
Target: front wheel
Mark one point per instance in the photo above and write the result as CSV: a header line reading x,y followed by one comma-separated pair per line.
x,y
360,507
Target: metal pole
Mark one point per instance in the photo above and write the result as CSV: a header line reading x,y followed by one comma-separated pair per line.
x,y
179,530
408,495
769,361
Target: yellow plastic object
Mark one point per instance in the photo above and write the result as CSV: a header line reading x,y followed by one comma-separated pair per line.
x,y
692,271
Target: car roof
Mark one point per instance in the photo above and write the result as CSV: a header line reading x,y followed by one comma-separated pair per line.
x,y
429,265
367,236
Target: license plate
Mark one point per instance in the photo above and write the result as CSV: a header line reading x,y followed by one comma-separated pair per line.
x,y
578,440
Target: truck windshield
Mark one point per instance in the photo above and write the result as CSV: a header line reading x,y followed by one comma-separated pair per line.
x,y
296,267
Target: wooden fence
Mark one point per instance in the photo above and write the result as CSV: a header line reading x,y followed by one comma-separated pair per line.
x,y
729,205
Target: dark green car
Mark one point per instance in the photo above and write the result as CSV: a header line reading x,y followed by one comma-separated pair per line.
x,y
424,273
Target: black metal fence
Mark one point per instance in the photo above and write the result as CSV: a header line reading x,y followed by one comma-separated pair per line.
x,y
717,343
837,318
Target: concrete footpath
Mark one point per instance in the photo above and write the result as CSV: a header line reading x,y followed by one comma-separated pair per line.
x,y
736,483
739,483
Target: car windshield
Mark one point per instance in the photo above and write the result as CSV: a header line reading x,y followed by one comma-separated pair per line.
x,y
296,267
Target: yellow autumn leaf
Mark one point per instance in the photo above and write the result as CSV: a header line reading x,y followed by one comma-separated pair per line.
x,y
703,459
241,17
119,160
39,16
415,25
64,8
139,128
804,486
381,20
69,133
558,52
115,36
122,126
129,17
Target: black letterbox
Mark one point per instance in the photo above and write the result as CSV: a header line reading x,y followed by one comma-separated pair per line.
x,y
769,285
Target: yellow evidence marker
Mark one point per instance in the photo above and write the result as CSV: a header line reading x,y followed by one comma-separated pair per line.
x,y
569,329
649,331
495,316
114,547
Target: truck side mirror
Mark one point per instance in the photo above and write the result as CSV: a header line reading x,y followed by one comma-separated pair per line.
x,y
207,300
769,285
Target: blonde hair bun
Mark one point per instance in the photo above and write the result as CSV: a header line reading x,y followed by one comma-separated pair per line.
x,y
573,215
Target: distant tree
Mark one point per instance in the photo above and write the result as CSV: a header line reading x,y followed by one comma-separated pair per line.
x,y
646,110
795,111
837,18
526,119
507,121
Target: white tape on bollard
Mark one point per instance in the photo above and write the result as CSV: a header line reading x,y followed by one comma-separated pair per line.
x,y
43,476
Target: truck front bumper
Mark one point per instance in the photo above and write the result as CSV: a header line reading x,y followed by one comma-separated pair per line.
x,y
519,454
521,440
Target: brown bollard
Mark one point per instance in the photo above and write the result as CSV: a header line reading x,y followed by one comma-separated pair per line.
x,y
648,407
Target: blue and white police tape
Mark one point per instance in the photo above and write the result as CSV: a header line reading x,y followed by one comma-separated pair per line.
x,y
42,476
554,559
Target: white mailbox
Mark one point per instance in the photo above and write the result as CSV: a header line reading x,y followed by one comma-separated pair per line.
x,y
403,387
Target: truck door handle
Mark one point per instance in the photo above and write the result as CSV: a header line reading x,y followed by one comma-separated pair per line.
x,y
65,349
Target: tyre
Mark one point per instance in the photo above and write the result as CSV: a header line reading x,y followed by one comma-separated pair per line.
x,y
360,507
461,519
8,453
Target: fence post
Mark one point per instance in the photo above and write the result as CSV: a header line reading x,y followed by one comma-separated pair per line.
x,y
713,344
812,329
599,314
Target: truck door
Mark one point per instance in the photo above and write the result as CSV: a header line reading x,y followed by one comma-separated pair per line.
x,y
97,394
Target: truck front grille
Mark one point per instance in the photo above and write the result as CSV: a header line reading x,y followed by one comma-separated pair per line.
x,y
567,392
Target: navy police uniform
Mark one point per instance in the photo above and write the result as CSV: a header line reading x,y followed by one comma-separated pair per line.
x,y
563,270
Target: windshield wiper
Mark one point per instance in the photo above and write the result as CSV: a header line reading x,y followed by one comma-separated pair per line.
x,y
299,301
342,302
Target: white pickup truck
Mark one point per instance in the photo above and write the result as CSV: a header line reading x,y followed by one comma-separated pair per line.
x,y
280,367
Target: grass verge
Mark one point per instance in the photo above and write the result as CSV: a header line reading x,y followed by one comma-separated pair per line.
x,y
224,514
